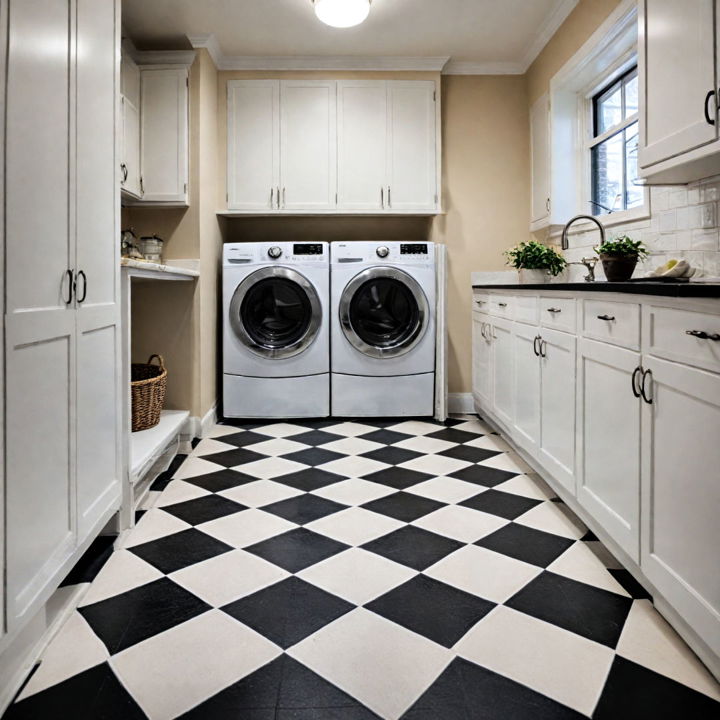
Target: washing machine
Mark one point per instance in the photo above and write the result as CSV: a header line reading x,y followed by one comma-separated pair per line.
x,y
382,329
276,347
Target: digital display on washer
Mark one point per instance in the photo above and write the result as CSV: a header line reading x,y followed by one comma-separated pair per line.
x,y
415,249
307,249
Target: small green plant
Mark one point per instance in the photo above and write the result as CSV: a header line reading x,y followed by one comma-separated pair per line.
x,y
533,255
623,246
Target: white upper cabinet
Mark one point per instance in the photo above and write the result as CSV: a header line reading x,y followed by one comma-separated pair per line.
x,y
412,158
308,145
130,127
362,145
253,145
540,163
678,86
164,134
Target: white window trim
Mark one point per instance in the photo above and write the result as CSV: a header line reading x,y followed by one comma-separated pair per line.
x,y
608,53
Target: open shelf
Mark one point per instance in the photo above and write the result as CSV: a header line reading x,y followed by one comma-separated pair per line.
x,y
147,446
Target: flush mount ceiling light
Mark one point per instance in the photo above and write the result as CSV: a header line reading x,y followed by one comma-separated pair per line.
x,y
342,13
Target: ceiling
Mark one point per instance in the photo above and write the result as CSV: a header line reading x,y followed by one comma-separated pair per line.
x,y
502,36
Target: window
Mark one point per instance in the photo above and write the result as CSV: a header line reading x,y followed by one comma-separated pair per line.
x,y
614,146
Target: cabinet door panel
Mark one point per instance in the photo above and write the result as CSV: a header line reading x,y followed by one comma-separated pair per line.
x,y
557,406
609,434
253,145
412,169
540,160
481,361
164,134
131,148
503,362
681,493
308,145
98,393
362,144
527,386
679,72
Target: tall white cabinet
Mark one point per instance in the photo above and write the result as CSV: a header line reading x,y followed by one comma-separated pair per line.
x,y
62,481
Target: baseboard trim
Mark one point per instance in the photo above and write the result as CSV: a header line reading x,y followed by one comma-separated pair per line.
x,y
460,403
208,421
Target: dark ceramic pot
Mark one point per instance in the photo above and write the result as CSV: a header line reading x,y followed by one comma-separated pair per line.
x,y
618,268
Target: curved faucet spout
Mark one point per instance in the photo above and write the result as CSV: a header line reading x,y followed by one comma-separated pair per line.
x,y
564,241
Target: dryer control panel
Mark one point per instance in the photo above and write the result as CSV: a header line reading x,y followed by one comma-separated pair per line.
x,y
383,253
272,253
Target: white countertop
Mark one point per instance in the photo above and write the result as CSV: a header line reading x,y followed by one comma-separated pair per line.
x,y
179,270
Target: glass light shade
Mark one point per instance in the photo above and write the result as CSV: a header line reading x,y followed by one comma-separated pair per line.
x,y
342,13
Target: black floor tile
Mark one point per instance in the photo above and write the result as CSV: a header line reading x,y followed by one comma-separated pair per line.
x,y
392,455
630,584
140,613
481,475
589,611
179,550
95,694
397,477
469,453
288,611
304,509
164,478
232,458
204,509
414,547
403,506
296,549
466,691
310,479
316,437
432,609
453,435
313,456
243,438
220,480
632,691
526,544
500,503
91,562
386,437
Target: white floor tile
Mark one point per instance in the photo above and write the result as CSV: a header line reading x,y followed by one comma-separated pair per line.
x,y
474,425
381,664
648,640
209,445
562,665
425,444
154,524
357,575
483,572
353,467
172,672
246,528
354,491
414,427
260,492
179,491
553,518
460,523
526,486
349,429
73,650
351,446
195,466
580,563
604,555
270,467
435,464
281,430
489,442
122,572
219,431
446,489
355,526
276,446
509,462
228,577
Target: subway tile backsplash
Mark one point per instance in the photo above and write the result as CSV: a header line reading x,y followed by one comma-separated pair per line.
x,y
683,224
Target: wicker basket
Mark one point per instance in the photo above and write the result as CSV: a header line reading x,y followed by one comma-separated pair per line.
x,y
148,393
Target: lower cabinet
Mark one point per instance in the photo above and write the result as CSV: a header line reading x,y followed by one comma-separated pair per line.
x,y
482,356
527,385
503,370
608,413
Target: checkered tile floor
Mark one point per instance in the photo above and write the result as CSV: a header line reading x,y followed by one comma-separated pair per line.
x,y
351,570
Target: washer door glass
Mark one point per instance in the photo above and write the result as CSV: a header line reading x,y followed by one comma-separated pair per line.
x,y
276,312
384,313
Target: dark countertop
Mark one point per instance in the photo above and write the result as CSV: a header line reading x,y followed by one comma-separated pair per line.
x,y
668,289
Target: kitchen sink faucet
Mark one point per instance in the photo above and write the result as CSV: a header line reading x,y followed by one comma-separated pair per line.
x,y
589,263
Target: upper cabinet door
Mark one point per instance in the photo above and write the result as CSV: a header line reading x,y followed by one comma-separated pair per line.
x,y
412,160
130,148
308,145
164,134
540,160
253,145
677,59
362,145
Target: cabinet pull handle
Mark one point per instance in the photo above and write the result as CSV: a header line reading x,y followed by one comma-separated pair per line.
x,y
283,198
554,310
124,169
608,318
702,335
272,193
483,329
647,374
502,304
382,198
277,197
547,204
81,274
709,120
535,348
542,347
389,197
142,186
480,302
636,372
70,278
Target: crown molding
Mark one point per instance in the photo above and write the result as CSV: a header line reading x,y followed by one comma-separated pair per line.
x,y
551,25
339,62
210,43
483,68
164,57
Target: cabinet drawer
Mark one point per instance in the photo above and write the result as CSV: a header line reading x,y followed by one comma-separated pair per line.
x,y
480,302
502,305
526,309
613,322
558,313
668,336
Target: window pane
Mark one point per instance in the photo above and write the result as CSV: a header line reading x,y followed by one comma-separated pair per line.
x,y
607,174
634,193
631,96
609,110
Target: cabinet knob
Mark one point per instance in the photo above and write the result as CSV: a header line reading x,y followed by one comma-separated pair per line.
x,y
502,304
607,318
554,310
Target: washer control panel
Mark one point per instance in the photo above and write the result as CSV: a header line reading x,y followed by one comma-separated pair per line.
x,y
275,252
413,249
308,249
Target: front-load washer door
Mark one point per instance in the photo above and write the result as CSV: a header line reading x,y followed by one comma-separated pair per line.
x,y
384,312
276,312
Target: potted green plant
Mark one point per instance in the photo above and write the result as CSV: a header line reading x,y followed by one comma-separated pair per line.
x,y
620,256
535,262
